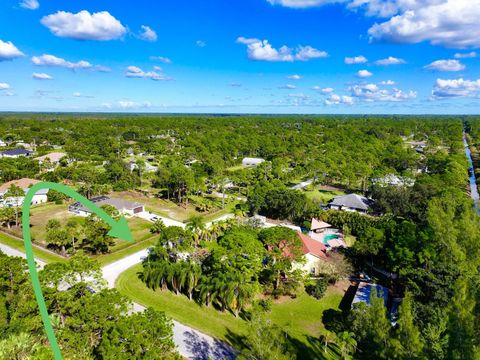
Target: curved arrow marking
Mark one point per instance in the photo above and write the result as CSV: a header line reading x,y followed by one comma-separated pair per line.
x,y
119,229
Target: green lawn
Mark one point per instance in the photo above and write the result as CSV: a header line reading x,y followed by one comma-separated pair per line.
x,y
301,317
322,196
39,253
127,249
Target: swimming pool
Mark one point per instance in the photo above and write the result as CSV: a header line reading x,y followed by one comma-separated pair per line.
x,y
328,237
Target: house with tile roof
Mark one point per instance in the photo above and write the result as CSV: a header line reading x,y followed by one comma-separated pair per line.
x,y
313,253
24,184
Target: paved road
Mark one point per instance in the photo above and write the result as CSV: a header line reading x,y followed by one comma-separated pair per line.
x,y
190,343
302,184
14,252
153,217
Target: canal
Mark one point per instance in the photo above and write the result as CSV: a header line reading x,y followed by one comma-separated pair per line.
x,y
471,174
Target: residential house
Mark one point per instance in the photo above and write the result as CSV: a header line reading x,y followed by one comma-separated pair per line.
x,y
124,207
24,184
252,162
313,253
350,202
54,158
394,180
16,153
132,165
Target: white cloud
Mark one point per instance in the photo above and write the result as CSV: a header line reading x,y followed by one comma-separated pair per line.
x,y
390,61
201,43
162,59
136,72
388,8
326,90
450,23
77,94
371,92
30,4
41,76
356,60
445,65
305,53
148,34
364,73
84,26
4,86
387,82
288,87
128,104
51,60
335,99
294,77
453,88
235,84
7,93
263,51
302,3
469,55
8,51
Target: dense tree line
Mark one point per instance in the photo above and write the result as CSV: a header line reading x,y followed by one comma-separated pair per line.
x,y
90,321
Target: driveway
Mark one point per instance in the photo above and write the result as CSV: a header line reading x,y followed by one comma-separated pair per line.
x,y
146,215
301,185
190,343
14,252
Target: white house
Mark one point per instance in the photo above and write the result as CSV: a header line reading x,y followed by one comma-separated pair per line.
x,y
15,153
124,207
350,202
394,180
148,168
252,162
24,184
313,253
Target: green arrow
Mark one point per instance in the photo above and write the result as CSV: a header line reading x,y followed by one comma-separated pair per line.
x,y
119,229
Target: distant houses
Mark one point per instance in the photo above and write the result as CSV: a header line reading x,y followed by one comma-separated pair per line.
x,y
252,162
350,202
54,158
24,184
16,153
394,180
124,207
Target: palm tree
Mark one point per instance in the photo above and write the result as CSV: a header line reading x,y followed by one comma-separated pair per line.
x,y
196,225
16,194
193,277
348,343
206,288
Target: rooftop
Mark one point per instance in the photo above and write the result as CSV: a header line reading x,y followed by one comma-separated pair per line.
x,y
353,201
119,204
53,157
23,184
16,152
317,225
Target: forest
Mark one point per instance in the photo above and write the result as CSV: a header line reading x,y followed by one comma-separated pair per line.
x,y
420,241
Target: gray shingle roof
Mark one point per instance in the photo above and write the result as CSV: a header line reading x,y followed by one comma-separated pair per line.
x,y
353,201
17,152
119,204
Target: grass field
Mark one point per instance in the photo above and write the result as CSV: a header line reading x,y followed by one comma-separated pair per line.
x,y
322,196
300,317
39,253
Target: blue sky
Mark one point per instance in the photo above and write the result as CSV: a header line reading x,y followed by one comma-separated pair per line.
x,y
240,56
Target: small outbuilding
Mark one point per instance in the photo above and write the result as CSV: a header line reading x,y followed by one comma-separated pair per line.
x,y
252,162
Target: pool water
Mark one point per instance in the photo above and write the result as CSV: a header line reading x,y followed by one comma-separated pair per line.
x,y
329,237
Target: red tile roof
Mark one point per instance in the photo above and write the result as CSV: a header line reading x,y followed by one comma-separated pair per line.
x,y
314,247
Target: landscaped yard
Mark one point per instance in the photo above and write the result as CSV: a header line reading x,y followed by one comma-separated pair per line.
x,y
322,195
41,214
301,317
38,253
170,209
